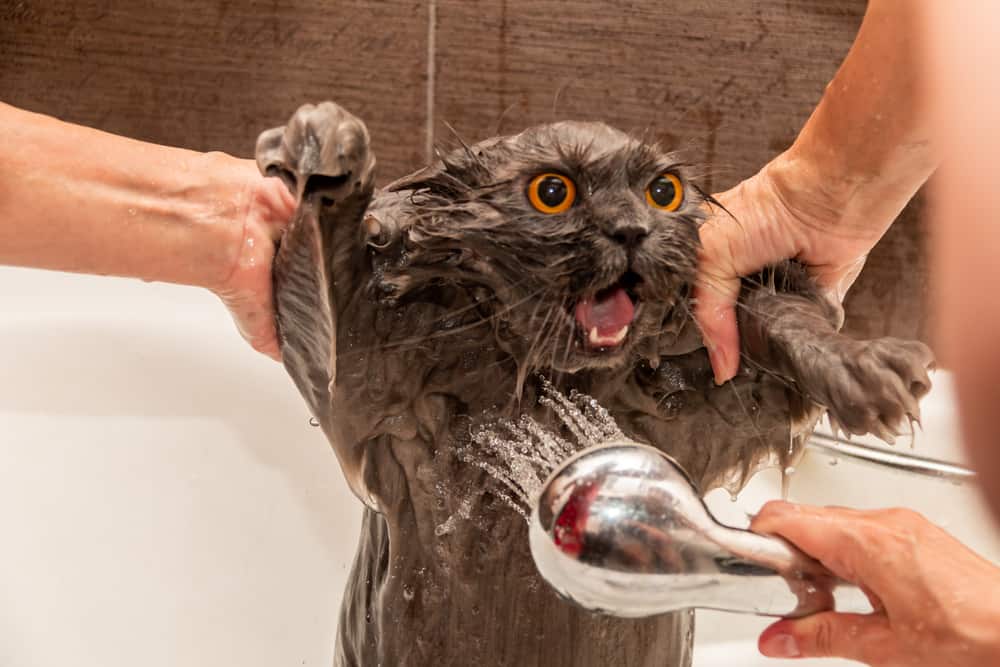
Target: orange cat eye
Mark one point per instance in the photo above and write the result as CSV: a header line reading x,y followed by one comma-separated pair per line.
x,y
665,192
551,193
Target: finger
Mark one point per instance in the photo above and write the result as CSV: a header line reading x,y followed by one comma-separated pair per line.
x,y
836,281
255,322
261,335
865,638
838,537
716,291
272,205
272,350
284,209
266,342
715,314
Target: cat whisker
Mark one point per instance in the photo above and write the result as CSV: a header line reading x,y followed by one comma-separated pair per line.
x,y
525,366
417,340
555,333
568,347
750,417
744,356
503,116
742,306
555,98
546,336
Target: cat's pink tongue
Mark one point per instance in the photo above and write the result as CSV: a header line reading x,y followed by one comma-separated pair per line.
x,y
606,317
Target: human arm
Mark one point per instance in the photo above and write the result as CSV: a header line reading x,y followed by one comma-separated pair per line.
x,y
965,232
831,196
936,602
77,199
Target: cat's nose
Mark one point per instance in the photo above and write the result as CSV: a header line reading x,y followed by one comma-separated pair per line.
x,y
629,234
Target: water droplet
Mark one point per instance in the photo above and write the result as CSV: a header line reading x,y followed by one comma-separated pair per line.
x,y
313,422
786,478
521,454
733,497
834,461
131,211
407,593
368,617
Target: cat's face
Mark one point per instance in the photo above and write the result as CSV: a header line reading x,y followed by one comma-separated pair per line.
x,y
576,238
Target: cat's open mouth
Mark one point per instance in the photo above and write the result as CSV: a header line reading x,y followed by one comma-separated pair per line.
x,y
605,318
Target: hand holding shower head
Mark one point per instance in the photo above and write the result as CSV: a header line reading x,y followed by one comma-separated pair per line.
x,y
620,528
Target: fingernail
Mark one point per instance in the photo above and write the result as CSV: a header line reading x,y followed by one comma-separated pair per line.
x,y
717,357
780,646
778,507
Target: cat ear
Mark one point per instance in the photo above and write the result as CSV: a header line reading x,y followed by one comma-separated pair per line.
x,y
453,173
422,179
322,156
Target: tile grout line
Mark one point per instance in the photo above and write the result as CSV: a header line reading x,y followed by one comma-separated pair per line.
x,y
431,76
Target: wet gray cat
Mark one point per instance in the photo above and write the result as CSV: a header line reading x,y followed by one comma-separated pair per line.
x,y
409,314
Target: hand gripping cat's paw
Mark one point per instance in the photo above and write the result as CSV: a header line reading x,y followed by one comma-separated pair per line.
x,y
871,386
323,150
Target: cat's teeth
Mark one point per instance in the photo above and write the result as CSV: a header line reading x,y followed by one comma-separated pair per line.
x,y
597,340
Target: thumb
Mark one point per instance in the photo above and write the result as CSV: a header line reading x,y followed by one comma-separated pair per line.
x,y
835,281
254,318
715,313
866,638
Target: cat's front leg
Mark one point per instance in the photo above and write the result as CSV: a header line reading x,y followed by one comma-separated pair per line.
x,y
868,386
323,156
323,152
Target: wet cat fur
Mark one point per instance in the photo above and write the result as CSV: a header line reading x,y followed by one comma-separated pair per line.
x,y
410,314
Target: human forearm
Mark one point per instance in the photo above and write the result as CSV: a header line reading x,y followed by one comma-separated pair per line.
x,y
76,199
965,232
866,148
829,198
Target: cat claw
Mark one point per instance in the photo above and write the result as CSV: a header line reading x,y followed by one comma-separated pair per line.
x,y
871,386
323,150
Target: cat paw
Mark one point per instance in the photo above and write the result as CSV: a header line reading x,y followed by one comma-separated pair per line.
x,y
870,386
323,151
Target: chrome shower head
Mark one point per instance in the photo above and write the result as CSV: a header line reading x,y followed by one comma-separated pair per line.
x,y
620,528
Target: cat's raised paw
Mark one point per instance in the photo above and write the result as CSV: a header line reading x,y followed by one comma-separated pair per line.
x,y
323,151
872,386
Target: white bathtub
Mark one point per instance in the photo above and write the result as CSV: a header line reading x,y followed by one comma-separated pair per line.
x,y
164,501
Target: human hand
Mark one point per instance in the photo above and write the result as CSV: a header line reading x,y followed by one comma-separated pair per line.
x,y
784,211
264,210
936,602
